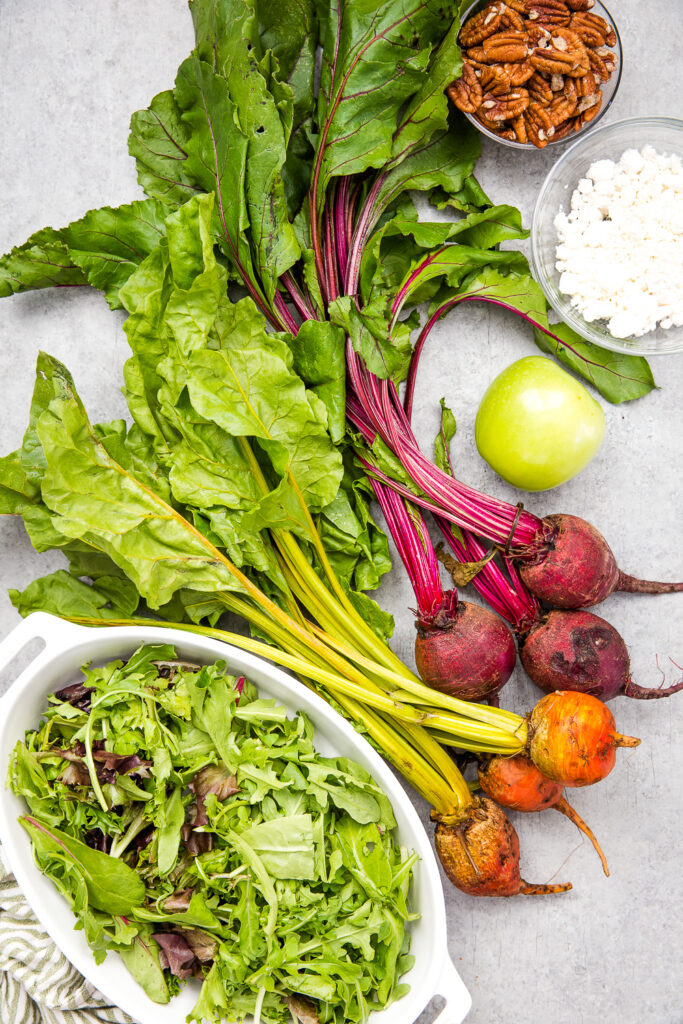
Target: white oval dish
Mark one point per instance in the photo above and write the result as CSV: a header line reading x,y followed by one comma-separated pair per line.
x,y
67,647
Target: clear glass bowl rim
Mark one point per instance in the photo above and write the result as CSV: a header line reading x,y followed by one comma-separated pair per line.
x,y
563,308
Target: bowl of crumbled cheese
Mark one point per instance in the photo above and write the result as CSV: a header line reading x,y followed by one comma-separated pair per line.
x,y
607,236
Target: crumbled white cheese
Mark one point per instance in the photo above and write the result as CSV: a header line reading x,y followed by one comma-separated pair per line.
x,y
620,251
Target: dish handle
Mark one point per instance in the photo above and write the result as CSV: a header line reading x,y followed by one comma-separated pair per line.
x,y
453,990
37,626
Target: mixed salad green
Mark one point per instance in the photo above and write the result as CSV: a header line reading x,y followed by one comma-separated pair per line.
x,y
195,830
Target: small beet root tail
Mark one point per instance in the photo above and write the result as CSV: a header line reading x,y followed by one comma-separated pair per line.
x,y
566,808
632,689
527,889
625,741
635,586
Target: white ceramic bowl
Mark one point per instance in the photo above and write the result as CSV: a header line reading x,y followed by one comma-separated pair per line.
x,y
67,647
665,134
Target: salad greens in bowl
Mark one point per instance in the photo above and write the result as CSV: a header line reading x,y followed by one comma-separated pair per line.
x,y
219,827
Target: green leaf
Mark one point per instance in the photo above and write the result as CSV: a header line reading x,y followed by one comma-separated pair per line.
x,y
97,501
227,38
171,821
290,30
112,886
102,249
142,960
443,439
60,593
375,56
386,354
157,141
285,846
618,377
319,358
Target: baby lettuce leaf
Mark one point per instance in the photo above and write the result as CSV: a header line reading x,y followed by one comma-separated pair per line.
x,y
142,960
285,846
112,886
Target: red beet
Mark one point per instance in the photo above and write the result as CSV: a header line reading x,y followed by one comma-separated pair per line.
x,y
576,568
573,738
480,854
464,650
578,650
517,784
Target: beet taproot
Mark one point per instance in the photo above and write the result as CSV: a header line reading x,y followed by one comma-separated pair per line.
x,y
578,650
480,854
518,785
576,568
573,738
467,652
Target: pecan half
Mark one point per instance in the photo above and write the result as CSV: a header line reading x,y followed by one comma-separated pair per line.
x,y
517,5
592,29
586,85
512,20
482,25
602,63
496,127
495,78
548,12
580,5
519,128
587,116
539,89
519,73
466,92
562,108
565,56
539,125
506,48
504,108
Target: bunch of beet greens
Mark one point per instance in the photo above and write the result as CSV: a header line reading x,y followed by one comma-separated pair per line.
x,y
236,489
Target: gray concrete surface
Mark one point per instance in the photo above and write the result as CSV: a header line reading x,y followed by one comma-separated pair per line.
x,y
610,951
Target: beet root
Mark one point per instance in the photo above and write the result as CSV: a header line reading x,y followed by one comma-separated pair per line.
x,y
576,567
577,650
480,854
467,652
573,738
518,785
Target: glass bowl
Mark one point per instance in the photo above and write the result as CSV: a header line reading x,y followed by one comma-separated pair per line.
x,y
665,135
608,89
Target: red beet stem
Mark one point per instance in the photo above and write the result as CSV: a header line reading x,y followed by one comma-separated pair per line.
x,y
635,586
409,532
566,808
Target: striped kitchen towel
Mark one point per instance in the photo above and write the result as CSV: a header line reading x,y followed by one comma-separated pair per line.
x,y
38,985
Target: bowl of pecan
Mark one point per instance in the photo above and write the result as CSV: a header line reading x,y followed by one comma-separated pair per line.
x,y
536,72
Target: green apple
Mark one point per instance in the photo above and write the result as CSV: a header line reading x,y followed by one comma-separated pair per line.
x,y
537,426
